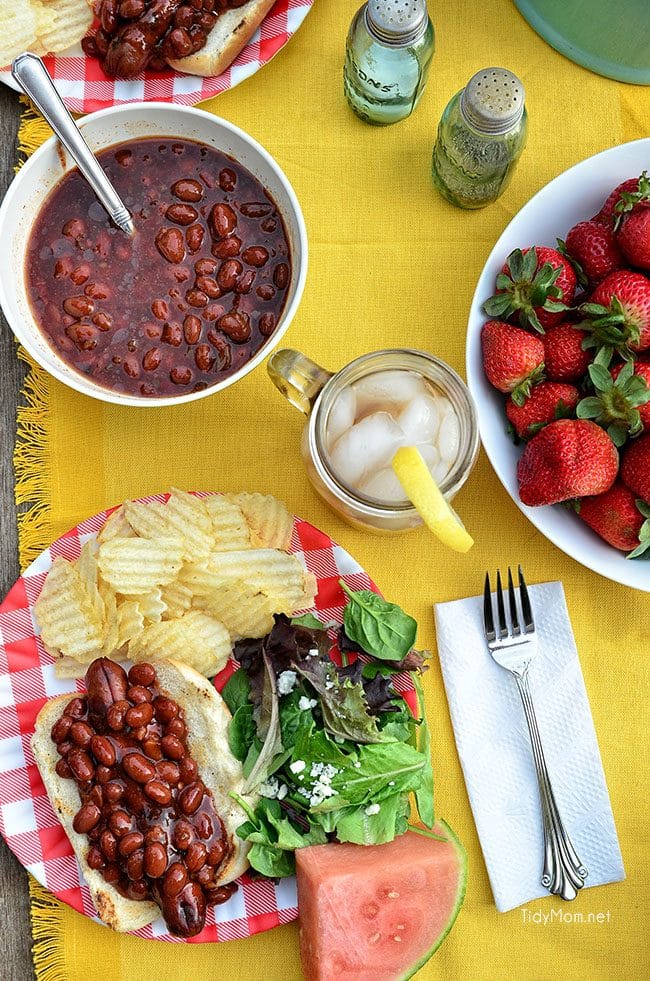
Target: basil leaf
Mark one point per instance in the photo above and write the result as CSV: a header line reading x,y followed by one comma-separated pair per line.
x,y
237,691
241,732
308,620
382,629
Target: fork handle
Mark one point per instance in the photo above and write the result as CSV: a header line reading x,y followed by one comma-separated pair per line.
x,y
563,873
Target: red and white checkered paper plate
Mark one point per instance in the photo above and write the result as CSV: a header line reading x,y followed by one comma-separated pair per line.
x,y
27,680
85,87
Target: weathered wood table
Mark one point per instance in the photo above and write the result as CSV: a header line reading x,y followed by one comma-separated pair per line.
x,y
15,932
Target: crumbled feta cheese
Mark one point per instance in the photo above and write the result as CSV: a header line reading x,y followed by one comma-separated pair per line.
x,y
372,809
323,771
297,766
269,788
391,783
305,703
313,652
287,682
283,790
322,790
357,764
329,685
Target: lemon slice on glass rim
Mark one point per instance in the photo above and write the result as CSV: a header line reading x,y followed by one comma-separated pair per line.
x,y
426,497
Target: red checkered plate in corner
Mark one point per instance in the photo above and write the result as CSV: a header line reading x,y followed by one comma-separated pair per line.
x,y
85,87
27,680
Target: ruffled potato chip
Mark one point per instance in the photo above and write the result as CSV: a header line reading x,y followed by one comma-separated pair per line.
x,y
177,599
269,520
116,526
69,621
244,610
136,565
67,21
196,638
229,527
280,576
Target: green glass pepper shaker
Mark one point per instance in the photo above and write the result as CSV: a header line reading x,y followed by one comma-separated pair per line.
x,y
388,54
481,136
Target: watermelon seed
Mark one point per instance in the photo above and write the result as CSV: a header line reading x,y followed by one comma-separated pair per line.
x,y
375,937
397,939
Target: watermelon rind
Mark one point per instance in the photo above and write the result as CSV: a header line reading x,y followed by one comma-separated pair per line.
x,y
460,896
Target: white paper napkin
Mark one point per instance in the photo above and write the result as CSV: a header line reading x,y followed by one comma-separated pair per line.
x,y
494,747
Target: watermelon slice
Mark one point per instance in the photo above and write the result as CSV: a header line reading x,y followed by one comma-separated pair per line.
x,y
378,912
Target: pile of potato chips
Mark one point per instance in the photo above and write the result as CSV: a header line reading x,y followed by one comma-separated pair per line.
x,y
179,580
41,26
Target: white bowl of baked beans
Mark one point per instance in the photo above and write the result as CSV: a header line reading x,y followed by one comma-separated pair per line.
x,y
195,300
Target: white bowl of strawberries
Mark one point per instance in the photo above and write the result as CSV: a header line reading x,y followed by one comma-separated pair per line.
x,y
558,362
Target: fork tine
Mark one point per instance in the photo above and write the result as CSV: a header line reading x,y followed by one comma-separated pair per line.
x,y
512,600
501,610
488,616
526,609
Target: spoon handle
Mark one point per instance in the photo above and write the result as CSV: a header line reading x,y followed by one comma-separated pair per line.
x,y
32,76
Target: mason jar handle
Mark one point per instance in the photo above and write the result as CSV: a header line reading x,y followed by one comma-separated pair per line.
x,y
298,378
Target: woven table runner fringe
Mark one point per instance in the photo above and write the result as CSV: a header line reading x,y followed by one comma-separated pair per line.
x,y
47,949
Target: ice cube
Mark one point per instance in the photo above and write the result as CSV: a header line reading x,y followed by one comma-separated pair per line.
x,y
440,471
341,415
449,436
420,420
385,388
384,486
367,446
429,454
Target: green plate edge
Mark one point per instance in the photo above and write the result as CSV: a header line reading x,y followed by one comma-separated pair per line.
x,y
588,59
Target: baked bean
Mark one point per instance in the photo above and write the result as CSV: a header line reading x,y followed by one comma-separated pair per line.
x,y
137,694
81,734
182,214
228,274
61,728
227,247
142,674
63,769
220,895
216,853
81,764
108,845
183,835
208,286
137,890
86,818
151,746
120,823
80,274
185,912
102,320
168,772
175,879
111,873
141,715
129,843
183,17
227,179
181,376
160,309
266,324
83,335
236,325
164,708
222,220
153,330
155,860
108,16
130,9
203,825
196,298
158,792
194,236
97,291
188,769
94,857
180,42
176,727
114,791
155,834
205,267
171,244
245,282
190,797
195,856
75,228
173,747
103,774
103,750
269,225
77,707
191,329
97,795
187,189
137,766
256,256
172,334
204,361
256,209
135,865
63,267
79,306
205,876
281,276
63,748
115,716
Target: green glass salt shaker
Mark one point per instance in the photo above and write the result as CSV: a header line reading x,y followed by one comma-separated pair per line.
x,y
481,136
388,54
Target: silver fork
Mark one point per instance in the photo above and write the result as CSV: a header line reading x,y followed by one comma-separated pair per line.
x,y
514,649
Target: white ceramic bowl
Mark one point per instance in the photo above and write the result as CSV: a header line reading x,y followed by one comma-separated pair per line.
x,y
103,129
575,195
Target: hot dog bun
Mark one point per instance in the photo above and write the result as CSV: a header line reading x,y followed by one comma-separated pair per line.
x,y
207,719
232,31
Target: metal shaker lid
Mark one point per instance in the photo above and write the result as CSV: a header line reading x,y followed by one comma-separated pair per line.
x,y
493,101
397,22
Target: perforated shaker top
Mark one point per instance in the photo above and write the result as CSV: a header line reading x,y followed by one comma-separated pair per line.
x,y
397,21
493,100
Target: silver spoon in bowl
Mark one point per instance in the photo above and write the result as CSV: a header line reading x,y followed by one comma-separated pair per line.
x,y
35,81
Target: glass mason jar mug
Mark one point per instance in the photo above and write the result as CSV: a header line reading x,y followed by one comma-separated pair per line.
x,y
407,384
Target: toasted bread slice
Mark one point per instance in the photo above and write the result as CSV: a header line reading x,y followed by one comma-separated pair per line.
x,y
232,31
207,718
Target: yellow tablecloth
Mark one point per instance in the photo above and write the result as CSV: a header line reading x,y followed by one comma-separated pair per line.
x,y
391,265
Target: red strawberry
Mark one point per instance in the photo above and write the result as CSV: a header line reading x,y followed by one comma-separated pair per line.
x,y
618,398
606,213
614,516
641,368
635,470
513,359
566,459
546,402
538,285
593,246
634,236
619,312
564,357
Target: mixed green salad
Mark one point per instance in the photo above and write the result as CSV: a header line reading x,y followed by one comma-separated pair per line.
x,y
331,753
